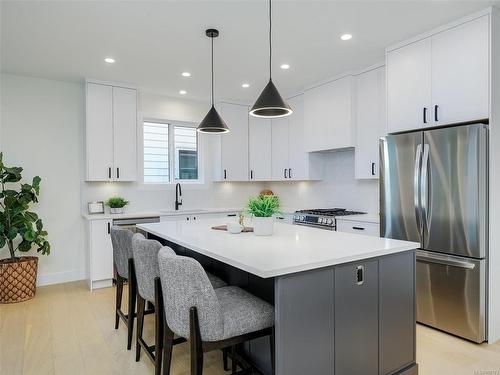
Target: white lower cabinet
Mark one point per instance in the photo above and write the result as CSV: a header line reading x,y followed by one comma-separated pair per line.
x,y
358,227
100,254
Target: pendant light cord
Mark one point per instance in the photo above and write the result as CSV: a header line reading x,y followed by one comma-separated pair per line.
x,y
270,41
212,71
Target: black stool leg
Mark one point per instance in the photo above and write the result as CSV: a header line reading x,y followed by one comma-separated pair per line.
x,y
119,295
195,343
225,359
140,326
168,343
158,326
273,353
132,291
233,360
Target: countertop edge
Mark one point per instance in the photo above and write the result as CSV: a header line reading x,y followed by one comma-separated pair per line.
x,y
142,214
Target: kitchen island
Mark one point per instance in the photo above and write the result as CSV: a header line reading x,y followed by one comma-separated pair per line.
x,y
344,303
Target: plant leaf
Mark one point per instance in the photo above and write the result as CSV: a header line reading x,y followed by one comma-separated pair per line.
x,y
11,233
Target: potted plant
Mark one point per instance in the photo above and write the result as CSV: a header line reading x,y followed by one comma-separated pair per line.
x,y
116,204
21,230
262,208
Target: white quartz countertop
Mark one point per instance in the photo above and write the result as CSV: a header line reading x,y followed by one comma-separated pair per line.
x,y
366,218
292,248
160,212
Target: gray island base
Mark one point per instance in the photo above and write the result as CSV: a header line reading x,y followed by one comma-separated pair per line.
x,y
350,318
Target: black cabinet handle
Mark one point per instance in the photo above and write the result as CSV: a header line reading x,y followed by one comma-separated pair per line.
x,y
225,174
284,172
358,228
425,115
231,215
117,172
373,169
109,227
251,174
360,275
436,107
289,172
109,172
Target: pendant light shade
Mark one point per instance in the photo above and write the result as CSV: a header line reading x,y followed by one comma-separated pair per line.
x,y
212,122
270,103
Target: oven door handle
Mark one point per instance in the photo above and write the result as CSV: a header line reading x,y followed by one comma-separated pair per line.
x,y
444,260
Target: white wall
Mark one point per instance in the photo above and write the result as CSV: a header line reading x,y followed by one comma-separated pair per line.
x,y
42,123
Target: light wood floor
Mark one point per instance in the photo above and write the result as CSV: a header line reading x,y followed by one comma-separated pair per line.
x,y
68,330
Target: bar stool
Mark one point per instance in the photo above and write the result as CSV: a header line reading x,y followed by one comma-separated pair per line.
x,y
149,290
209,318
121,240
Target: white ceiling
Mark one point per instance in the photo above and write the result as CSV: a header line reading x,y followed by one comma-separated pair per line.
x,y
153,42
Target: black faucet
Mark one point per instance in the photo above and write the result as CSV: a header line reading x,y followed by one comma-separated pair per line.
x,y
178,194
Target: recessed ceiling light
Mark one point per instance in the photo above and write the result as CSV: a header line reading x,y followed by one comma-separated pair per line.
x,y
285,66
346,36
186,74
245,85
183,92
109,60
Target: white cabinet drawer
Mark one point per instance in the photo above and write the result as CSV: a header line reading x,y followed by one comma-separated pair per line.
x,y
359,227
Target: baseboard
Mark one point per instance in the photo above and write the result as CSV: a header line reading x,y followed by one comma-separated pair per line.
x,y
60,277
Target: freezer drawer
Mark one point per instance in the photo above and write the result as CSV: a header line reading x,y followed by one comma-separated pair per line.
x,y
451,294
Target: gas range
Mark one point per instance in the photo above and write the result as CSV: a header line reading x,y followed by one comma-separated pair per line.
x,y
321,218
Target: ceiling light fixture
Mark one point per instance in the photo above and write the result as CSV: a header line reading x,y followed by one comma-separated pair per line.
x,y
245,85
109,60
270,103
212,122
285,66
183,92
346,36
186,74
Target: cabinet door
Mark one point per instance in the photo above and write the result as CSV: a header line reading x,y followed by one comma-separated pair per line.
x,y
99,132
280,141
125,134
259,149
328,116
409,86
101,250
370,121
356,318
299,157
234,145
460,73
358,227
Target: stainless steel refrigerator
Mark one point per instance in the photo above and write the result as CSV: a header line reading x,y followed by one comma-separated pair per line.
x,y
434,190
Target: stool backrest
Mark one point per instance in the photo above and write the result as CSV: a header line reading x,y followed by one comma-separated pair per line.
x,y
121,239
146,265
184,285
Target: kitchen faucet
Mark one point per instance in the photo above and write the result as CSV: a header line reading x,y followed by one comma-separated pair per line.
x,y
178,194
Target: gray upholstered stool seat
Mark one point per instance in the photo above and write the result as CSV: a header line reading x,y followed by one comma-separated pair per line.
x,y
243,312
215,281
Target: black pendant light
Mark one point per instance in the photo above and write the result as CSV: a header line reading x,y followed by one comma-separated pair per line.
x,y
212,122
270,103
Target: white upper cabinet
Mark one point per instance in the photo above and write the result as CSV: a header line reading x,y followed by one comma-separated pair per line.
x,y
259,149
281,147
302,165
460,73
99,132
441,79
234,145
370,121
327,114
125,133
111,133
409,86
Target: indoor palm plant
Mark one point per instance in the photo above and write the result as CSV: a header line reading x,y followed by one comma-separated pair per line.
x,y
263,208
20,230
116,204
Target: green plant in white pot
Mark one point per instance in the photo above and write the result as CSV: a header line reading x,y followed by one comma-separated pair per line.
x,y
116,204
263,208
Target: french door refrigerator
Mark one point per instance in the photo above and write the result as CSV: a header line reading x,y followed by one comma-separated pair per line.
x,y
434,190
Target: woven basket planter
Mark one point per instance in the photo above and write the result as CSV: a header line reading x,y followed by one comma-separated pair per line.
x,y
18,279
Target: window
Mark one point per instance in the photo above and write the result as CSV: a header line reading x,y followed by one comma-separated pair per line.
x,y
170,153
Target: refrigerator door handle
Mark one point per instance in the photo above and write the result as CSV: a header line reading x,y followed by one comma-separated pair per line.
x,y
424,187
444,260
416,178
